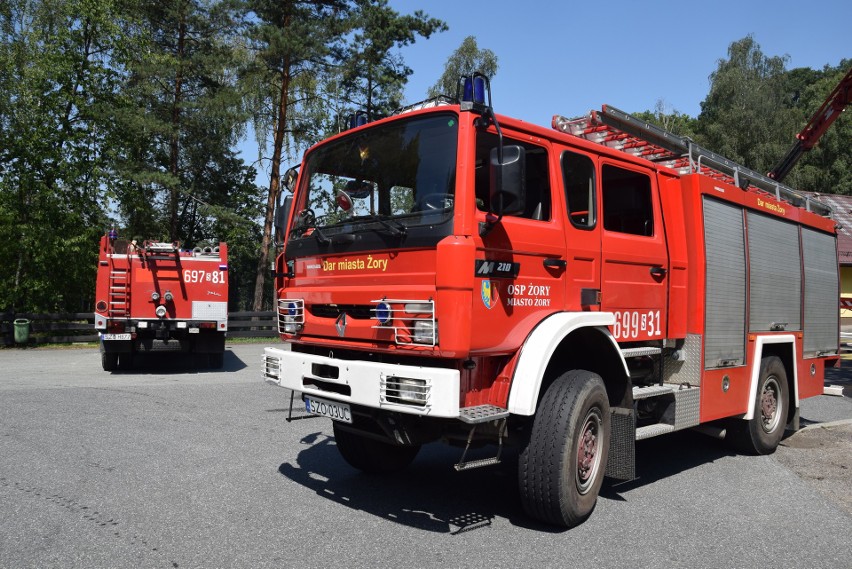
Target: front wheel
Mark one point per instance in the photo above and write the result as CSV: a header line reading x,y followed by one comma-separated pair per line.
x,y
370,455
763,432
562,467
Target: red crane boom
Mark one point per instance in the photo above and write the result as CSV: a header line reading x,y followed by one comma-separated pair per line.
x,y
816,127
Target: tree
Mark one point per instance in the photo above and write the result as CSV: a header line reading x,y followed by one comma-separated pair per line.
x,y
291,41
668,118
374,76
826,168
57,85
746,116
466,60
301,58
182,117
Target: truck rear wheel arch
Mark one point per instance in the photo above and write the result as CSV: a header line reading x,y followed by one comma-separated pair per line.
x,y
784,352
783,347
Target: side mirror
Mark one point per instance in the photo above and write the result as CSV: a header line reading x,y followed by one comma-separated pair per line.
x,y
282,212
508,180
289,178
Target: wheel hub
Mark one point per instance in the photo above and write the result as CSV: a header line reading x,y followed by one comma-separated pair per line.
x,y
769,405
587,453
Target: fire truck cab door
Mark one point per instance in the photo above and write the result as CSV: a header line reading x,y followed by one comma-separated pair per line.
x,y
635,263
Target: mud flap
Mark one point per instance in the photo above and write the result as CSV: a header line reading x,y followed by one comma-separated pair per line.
x,y
621,465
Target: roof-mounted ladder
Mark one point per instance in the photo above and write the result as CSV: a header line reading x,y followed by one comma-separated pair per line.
x,y
616,129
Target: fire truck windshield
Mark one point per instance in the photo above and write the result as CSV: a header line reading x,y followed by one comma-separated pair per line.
x,y
395,179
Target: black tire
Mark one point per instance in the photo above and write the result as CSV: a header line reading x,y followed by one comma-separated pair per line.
x,y
370,455
763,432
125,361
217,360
573,418
109,361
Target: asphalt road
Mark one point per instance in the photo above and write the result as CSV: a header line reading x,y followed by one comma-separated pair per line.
x,y
169,466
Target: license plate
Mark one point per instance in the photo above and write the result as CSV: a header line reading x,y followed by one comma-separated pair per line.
x,y
330,409
116,336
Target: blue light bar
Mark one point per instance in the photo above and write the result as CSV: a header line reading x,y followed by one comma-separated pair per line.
x,y
475,90
357,119
479,89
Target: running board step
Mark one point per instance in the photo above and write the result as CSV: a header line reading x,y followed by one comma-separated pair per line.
x,y
482,414
650,431
639,352
651,391
471,464
679,408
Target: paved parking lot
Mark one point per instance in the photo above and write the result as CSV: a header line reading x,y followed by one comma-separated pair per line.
x,y
172,466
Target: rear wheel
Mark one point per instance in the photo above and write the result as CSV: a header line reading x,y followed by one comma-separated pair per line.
x,y
562,467
370,455
125,361
217,360
109,361
763,432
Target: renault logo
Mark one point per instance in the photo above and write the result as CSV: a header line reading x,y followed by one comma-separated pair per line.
x,y
340,324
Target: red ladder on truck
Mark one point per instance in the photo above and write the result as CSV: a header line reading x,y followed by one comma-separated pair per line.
x,y
621,131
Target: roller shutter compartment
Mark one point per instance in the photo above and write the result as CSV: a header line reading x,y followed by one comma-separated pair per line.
x,y
724,342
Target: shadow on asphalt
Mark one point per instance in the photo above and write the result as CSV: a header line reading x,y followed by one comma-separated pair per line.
x,y
432,496
177,362
665,456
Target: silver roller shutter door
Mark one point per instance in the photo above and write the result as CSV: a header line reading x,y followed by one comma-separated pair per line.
x,y
821,292
724,342
775,278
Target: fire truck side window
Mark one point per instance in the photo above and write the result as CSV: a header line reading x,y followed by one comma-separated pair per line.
x,y
627,201
578,175
537,179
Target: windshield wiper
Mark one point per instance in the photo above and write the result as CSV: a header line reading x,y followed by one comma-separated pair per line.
x,y
397,228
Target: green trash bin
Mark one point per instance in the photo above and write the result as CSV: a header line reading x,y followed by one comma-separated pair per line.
x,y
22,331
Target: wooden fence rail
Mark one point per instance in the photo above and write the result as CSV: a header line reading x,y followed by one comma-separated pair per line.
x,y
80,327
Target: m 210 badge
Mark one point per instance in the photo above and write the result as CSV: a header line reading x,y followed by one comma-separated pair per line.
x,y
496,269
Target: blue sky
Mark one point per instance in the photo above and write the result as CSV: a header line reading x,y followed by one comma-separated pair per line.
x,y
563,57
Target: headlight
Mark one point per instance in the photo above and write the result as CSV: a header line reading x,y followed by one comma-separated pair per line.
x,y
419,308
425,332
407,390
168,296
160,311
155,296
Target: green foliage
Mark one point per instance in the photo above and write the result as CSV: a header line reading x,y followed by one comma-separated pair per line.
x,y
374,76
466,60
754,110
315,62
827,168
55,84
128,112
181,116
745,116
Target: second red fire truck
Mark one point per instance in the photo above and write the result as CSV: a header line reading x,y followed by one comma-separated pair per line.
x,y
451,274
154,297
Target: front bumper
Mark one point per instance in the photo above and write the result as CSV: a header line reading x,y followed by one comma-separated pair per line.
x,y
364,383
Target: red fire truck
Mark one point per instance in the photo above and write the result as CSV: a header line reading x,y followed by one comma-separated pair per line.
x,y
451,274
153,297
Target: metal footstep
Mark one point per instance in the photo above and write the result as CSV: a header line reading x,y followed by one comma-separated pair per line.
x,y
475,416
